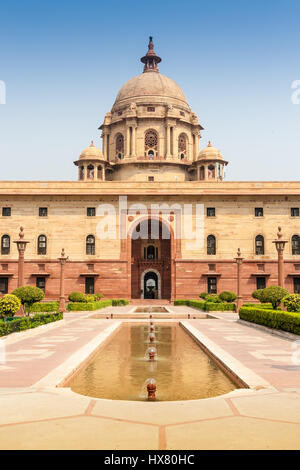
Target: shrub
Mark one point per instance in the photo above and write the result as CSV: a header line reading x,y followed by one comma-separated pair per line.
x,y
28,295
219,307
292,302
280,320
182,302
212,298
89,298
274,295
98,296
203,295
117,302
87,306
227,296
24,323
267,306
77,297
45,307
196,303
9,305
258,294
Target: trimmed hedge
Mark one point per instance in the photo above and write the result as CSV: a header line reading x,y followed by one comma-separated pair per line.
x,y
45,307
87,306
117,302
207,306
220,307
276,319
25,323
256,305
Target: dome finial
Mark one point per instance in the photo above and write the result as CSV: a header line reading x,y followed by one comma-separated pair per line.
x,y
150,59
209,144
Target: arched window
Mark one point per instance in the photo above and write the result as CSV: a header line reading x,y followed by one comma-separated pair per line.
x,y
90,172
119,146
90,245
295,245
99,172
259,245
202,173
182,146
150,252
211,245
81,173
42,245
5,245
151,143
211,171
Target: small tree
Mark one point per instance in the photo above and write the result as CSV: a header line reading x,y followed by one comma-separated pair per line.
x,y
227,296
292,302
9,305
212,298
258,294
99,296
77,297
274,295
203,295
28,295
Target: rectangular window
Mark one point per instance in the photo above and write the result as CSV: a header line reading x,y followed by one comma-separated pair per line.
x,y
3,285
6,211
91,211
41,283
150,178
212,267
295,212
151,108
260,282
89,285
296,285
43,211
212,285
259,212
211,211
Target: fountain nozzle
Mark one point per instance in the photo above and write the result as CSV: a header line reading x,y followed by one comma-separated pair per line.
x,y
151,353
151,389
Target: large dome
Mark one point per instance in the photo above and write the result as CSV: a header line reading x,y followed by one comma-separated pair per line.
x,y
148,88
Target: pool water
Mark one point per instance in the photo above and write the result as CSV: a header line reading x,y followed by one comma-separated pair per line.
x,y
182,370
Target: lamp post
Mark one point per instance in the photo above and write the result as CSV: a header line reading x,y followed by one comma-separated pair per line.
x,y
21,245
239,261
280,245
63,259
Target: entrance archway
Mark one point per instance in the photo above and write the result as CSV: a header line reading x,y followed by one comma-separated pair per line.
x,y
151,259
151,284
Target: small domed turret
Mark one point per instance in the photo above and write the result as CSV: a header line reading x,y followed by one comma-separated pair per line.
x,y
91,164
210,164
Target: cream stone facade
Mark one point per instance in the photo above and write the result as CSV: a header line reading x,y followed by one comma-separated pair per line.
x,y
150,158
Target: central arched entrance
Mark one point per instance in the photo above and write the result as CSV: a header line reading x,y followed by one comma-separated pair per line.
x,y
150,285
150,260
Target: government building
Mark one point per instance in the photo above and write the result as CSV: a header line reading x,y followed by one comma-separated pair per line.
x,y
153,178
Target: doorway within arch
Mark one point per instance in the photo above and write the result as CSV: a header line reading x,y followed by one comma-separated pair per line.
x,y
151,285
151,260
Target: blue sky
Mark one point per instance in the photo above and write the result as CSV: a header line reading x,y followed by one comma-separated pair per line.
x,y
63,63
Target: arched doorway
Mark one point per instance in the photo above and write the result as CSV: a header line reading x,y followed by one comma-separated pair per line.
x,y
150,285
151,265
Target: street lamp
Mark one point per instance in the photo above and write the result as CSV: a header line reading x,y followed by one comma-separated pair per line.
x,y
280,245
63,259
21,245
239,261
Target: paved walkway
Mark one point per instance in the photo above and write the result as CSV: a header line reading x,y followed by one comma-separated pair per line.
x,y
37,415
